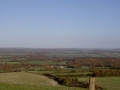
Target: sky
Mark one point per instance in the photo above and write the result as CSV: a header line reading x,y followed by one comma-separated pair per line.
x,y
59,23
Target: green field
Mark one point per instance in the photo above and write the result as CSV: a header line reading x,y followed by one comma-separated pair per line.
x,y
8,86
39,62
24,69
26,78
72,54
77,73
12,62
43,62
28,81
110,83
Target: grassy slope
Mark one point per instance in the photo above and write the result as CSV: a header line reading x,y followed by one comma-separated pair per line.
x,y
26,78
27,81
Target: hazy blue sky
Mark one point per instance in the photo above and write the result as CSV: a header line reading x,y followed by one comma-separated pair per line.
x,y
60,23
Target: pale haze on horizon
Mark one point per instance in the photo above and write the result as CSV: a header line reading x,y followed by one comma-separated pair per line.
x,y
60,23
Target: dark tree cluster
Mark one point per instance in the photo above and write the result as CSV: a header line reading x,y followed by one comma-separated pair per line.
x,y
10,68
106,72
104,62
66,81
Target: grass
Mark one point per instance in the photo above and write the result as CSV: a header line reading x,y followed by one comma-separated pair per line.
x,y
82,68
110,83
73,54
41,72
46,62
85,67
40,62
12,62
8,86
76,73
28,81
